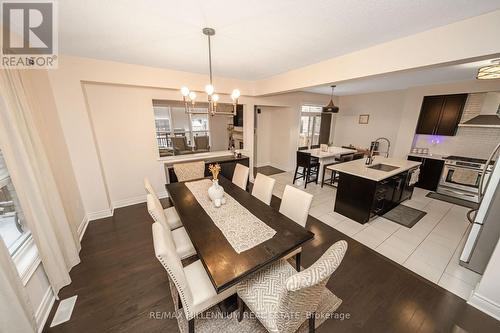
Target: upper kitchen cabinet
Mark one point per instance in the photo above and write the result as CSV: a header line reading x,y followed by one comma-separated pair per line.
x,y
441,114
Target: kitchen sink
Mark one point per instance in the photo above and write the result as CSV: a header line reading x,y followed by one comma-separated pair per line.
x,y
383,167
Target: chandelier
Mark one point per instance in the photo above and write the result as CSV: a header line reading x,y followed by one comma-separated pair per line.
x,y
189,97
331,108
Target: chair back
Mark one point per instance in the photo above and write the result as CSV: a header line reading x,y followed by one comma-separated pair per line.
x,y
189,171
358,156
295,204
304,289
165,252
150,190
346,157
201,142
179,143
240,176
303,159
263,188
155,210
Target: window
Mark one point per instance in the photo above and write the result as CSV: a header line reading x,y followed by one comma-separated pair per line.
x,y
310,124
12,227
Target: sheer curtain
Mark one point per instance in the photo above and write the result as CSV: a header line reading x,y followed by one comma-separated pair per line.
x,y
16,312
28,165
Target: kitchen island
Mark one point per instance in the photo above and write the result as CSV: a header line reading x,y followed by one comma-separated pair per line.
x,y
365,191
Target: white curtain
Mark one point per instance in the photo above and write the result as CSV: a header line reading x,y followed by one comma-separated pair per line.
x,y
30,171
16,313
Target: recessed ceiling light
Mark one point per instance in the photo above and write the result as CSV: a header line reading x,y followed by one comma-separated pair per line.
x,y
489,72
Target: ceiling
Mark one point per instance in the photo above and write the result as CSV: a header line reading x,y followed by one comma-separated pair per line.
x,y
255,39
404,79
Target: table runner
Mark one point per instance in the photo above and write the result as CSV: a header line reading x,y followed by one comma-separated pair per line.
x,y
242,229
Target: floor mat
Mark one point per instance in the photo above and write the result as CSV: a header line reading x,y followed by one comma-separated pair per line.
x,y
455,201
404,215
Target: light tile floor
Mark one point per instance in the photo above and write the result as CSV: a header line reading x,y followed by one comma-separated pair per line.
x,y
430,248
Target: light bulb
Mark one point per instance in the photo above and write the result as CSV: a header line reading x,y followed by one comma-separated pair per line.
x,y
235,94
185,91
215,98
209,89
192,95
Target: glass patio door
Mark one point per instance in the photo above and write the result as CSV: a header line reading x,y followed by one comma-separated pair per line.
x,y
309,131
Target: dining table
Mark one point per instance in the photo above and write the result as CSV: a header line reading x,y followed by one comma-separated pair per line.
x,y
329,155
224,265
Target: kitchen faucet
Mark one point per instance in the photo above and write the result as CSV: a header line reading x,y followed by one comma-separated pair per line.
x,y
369,159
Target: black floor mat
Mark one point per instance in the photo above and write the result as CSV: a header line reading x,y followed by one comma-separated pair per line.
x,y
455,201
404,215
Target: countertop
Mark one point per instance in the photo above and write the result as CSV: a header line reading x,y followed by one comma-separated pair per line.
x,y
332,151
358,168
432,156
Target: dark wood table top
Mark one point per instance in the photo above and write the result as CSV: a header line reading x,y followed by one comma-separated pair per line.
x,y
223,264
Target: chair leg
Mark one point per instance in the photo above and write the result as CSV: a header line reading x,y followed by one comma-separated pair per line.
x,y
323,177
312,323
191,326
297,261
295,174
241,309
308,175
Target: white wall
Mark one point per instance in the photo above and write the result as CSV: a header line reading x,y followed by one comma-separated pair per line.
x,y
385,117
276,136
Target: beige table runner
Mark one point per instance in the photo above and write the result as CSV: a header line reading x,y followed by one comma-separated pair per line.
x,y
242,229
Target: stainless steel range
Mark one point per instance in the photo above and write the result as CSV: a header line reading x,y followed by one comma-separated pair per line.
x,y
461,177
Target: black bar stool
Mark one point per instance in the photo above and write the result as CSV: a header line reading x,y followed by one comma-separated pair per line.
x,y
310,168
331,181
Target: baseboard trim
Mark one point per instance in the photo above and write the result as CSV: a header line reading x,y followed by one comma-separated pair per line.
x,y
43,311
128,201
485,305
100,214
83,227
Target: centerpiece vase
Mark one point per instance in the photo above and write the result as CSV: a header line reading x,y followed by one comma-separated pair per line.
x,y
216,193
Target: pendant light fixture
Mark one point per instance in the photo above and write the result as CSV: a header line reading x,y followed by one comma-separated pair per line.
x,y
331,108
189,97
489,72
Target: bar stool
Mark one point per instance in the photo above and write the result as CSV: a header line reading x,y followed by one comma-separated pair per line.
x,y
310,167
331,181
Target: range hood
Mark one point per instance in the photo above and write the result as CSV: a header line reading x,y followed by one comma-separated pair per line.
x,y
489,115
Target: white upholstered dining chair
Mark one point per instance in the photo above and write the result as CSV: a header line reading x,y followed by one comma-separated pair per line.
x,y
173,219
196,292
189,171
283,299
263,188
183,245
295,205
240,176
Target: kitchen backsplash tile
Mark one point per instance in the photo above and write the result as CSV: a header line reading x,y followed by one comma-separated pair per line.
x,y
469,142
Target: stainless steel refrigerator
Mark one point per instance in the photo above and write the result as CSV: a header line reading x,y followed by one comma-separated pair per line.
x,y
485,230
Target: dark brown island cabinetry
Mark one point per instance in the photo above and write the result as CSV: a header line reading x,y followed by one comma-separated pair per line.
x,y
360,198
430,172
441,114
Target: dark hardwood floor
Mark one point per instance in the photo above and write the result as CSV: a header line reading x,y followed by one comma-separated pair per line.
x,y
267,170
119,283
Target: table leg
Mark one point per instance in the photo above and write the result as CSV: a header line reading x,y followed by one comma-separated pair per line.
x,y
297,261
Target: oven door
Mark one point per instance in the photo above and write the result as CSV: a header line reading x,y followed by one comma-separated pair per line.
x,y
449,179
